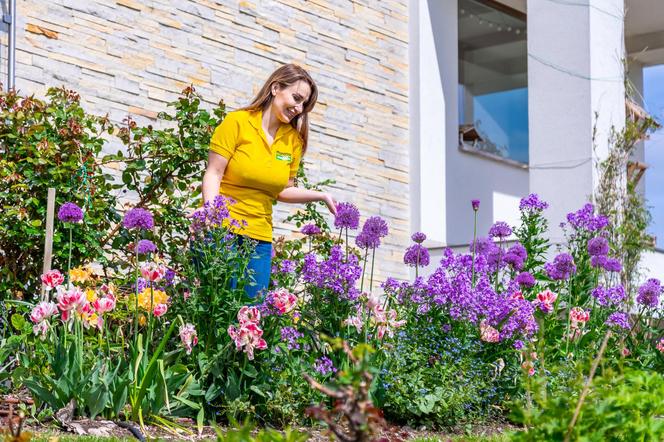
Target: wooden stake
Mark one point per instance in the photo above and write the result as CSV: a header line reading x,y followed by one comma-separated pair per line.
x,y
48,242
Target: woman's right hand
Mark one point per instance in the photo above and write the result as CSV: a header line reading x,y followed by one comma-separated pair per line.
x,y
330,203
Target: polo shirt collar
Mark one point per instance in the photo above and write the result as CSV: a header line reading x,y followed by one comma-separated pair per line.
x,y
256,120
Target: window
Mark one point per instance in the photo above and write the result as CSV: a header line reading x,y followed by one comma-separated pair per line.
x,y
493,80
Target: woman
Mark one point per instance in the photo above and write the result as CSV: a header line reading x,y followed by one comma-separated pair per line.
x,y
254,157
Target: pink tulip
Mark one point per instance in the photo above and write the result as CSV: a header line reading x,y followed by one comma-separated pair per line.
x,y
52,279
355,321
159,310
105,304
577,314
488,333
188,336
152,271
43,311
40,328
545,300
248,337
660,345
69,300
249,314
388,322
283,300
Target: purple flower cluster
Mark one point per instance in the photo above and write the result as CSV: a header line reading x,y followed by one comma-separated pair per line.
x,y
516,256
324,366
169,277
618,320
141,284
562,267
145,246
525,279
416,256
532,204
348,216
373,230
598,246
585,219
290,336
611,296
213,214
287,266
608,264
649,293
310,229
482,246
418,237
70,213
138,218
500,229
334,273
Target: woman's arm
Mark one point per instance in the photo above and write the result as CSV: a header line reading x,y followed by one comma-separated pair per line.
x,y
213,174
296,195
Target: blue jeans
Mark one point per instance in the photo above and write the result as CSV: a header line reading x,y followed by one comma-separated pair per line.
x,y
261,264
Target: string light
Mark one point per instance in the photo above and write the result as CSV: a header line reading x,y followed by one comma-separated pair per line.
x,y
500,27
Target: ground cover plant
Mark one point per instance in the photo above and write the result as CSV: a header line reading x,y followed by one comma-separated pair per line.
x,y
511,326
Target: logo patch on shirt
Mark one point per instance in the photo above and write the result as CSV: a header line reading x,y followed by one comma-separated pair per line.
x,y
282,156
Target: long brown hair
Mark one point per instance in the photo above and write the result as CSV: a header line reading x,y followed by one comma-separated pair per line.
x,y
283,77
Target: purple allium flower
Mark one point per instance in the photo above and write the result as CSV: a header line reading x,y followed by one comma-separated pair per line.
x,y
649,293
418,237
514,260
525,279
475,205
612,265
375,226
324,366
366,241
598,246
310,229
618,320
138,218
598,261
416,255
290,335
609,297
145,246
562,267
518,344
585,219
70,213
336,273
519,250
287,266
532,204
500,230
482,246
347,216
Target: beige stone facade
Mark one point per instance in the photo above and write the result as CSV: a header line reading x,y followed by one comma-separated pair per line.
x,y
132,57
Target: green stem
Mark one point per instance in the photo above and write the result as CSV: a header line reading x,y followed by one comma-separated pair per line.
x,y
473,249
69,259
373,257
364,268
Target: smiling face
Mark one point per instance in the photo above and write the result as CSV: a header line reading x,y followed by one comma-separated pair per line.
x,y
289,101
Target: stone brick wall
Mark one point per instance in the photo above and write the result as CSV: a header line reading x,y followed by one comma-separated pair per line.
x,y
132,57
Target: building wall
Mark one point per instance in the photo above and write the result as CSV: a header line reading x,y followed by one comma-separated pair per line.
x,y
132,57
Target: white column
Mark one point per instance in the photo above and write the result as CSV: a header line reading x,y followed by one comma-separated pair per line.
x,y
575,97
428,115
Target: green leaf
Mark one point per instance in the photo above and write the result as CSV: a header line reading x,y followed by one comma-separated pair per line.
x,y
18,321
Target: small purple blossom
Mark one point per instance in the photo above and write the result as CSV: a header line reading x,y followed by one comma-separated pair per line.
x,y
418,237
310,229
618,320
532,204
518,344
598,261
290,335
611,296
482,245
138,218
562,267
324,366
287,266
649,293
70,213
366,241
348,216
500,229
416,256
475,204
141,284
598,246
525,279
585,219
145,246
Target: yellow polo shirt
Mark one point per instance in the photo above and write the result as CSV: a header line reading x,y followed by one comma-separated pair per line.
x,y
256,172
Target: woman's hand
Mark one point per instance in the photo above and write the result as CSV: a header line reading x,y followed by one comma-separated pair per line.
x,y
330,203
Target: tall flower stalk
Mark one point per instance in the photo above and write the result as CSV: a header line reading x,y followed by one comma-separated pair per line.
x,y
476,207
69,214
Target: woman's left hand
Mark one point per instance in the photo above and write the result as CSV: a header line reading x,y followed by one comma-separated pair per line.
x,y
330,203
